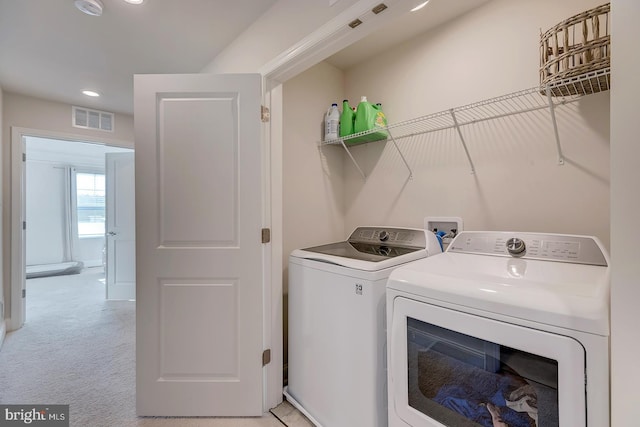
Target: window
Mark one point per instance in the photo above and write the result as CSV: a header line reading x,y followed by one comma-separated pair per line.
x,y
90,192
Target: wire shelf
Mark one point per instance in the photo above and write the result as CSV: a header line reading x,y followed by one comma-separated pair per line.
x,y
537,98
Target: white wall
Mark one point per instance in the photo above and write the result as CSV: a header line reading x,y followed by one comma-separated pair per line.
x,y
625,211
282,26
518,184
313,193
90,251
35,113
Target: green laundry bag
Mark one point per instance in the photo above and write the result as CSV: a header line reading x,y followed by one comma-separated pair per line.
x,y
369,117
346,119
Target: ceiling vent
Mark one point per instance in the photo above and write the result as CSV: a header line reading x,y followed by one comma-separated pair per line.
x,y
92,119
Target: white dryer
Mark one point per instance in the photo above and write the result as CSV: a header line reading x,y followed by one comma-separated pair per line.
x,y
337,324
503,329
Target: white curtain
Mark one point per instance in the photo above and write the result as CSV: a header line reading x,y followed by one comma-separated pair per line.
x,y
71,217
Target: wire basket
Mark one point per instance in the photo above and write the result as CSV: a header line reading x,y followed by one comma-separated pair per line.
x,y
576,46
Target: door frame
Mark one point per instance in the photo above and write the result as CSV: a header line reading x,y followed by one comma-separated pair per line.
x,y
16,317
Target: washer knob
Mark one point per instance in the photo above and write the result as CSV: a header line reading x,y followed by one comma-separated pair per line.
x,y
384,236
516,247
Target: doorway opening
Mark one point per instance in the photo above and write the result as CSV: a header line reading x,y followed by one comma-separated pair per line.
x,y
76,195
75,214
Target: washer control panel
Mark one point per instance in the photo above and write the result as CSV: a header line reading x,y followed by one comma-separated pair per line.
x,y
407,237
550,247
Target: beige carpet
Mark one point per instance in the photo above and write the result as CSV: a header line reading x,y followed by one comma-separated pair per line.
x,y
77,348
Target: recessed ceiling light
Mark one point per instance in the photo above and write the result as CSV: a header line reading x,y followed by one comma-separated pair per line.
x,y
90,7
420,6
134,1
92,93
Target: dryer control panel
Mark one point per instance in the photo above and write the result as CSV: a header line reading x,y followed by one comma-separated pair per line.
x,y
549,247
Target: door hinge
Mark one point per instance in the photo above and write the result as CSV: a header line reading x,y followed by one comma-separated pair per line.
x,y
24,293
24,225
24,157
266,235
266,357
265,115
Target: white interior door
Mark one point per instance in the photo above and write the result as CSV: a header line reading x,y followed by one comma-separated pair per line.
x,y
199,257
121,227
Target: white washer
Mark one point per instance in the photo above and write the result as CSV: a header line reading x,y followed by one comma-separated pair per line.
x,y
509,325
337,324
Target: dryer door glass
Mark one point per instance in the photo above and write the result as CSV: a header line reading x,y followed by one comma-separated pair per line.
x,y
460,380
456,369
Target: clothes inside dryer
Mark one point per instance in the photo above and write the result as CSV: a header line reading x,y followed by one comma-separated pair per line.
x,y
461,380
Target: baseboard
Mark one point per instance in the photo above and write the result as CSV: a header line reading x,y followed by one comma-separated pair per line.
x,y
299,407
93,263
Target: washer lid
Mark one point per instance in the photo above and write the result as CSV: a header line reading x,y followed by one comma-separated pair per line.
x,y
375,248
563,294
362,251
376,244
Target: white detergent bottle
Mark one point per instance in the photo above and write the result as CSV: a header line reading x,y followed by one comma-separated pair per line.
x,y
332,119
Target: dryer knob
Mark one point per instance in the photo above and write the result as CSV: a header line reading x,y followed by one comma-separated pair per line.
x,y
516,247
384,236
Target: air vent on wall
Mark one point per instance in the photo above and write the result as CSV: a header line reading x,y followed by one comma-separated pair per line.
x,y
92,119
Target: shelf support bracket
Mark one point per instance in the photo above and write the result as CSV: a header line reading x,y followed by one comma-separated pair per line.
x,y
401,155
464,144
352,159
552,111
